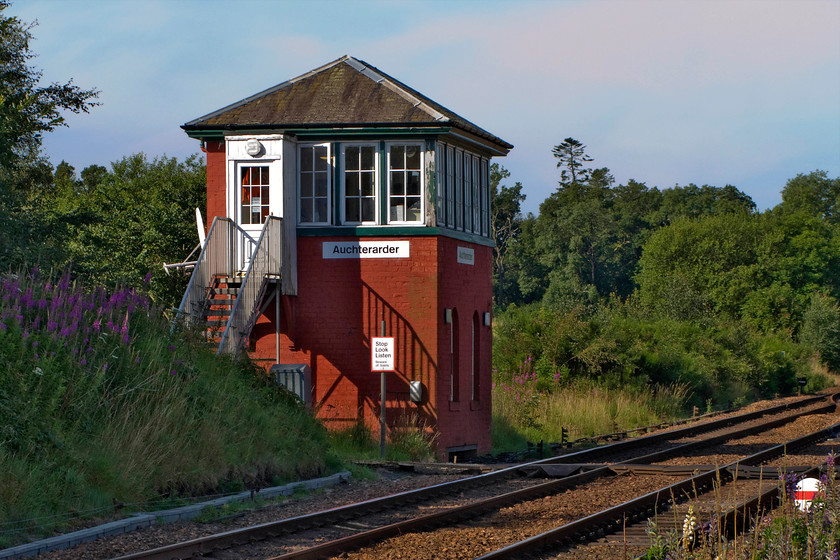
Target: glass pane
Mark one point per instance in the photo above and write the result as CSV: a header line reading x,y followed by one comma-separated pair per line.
x,y
264,195
263,175
246,214
246,196
397,182
306,185
413,182
352,184
413,210
320,158
306,210
351,158
263,214
367,157
306,159
351,210
320,209
255,216
397,210
397,157
368,210
320,184
412,157
255,201
367,184
246,175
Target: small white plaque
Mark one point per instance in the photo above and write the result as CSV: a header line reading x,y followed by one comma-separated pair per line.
x,y
366,249
382,353
466,255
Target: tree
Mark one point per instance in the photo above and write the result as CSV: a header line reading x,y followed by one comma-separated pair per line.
x,y
815,194
27,109
572,156
505,221
139,215
698,202
821,330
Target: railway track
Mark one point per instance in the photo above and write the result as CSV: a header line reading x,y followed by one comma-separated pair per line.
x,y
554,510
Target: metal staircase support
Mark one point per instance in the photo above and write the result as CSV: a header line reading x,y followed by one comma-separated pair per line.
x,y
263,269
217,258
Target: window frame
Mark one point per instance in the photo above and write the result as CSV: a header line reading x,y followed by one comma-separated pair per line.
x,y
329,172
264,189
376,183
421,147
450,186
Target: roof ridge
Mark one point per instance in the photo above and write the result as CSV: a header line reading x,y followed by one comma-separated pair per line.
x,y
394,85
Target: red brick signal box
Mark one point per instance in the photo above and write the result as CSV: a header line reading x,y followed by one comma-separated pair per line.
x,y
338,200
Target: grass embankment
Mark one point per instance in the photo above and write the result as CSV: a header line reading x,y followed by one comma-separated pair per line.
x,y
614,366
99,404
528,410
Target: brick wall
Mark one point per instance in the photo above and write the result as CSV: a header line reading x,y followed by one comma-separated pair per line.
x,y
216,181
340,306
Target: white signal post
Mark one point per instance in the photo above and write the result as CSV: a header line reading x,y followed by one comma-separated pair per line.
x,y
382,353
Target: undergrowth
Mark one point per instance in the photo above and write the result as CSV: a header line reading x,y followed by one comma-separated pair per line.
x,y
102,407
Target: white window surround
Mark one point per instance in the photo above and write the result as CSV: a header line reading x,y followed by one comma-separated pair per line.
x,y
410,172
354,186
314,184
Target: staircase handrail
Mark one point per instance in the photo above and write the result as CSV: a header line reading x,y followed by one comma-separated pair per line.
x,y
266,261
217,257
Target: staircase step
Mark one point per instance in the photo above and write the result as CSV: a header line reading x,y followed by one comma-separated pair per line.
x,y
223,291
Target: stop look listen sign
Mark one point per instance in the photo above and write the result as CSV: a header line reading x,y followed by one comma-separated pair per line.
x,y
382,353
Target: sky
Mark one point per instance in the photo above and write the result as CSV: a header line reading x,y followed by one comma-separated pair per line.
x,y
665,92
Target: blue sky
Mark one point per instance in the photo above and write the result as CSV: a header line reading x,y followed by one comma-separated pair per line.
x,y
666,92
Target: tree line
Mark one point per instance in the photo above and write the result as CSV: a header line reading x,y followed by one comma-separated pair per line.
x,y
699,257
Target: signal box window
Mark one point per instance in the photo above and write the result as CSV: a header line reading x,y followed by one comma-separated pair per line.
x,y
405,184
254,207
360,184
314,179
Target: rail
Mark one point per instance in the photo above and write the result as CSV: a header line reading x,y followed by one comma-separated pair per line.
x,y
265,264
217,258
341,514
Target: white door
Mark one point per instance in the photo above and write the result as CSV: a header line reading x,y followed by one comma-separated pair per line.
x,y
257,195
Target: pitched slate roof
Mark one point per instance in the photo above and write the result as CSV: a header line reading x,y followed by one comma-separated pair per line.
x,y
344,93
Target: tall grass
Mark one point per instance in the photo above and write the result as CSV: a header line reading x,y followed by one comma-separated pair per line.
x,y
99,405
528,407
408,439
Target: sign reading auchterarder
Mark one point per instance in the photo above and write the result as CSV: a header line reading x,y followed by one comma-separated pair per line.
x,y
366,249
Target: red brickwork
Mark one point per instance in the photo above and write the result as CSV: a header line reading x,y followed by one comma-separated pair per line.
x,y
340,306
216,181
